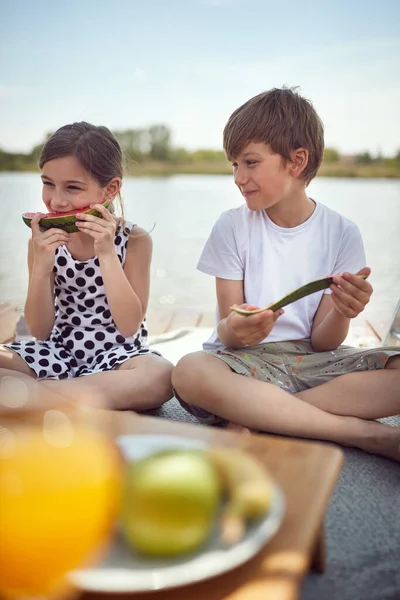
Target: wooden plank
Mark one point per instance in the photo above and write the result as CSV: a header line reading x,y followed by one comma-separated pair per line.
x,y
8,322
392,337
158,321
374,331
164,321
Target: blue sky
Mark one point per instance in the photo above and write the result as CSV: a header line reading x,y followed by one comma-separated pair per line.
x,y
190,63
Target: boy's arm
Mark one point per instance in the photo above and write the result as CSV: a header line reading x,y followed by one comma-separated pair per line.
x,y
329,329
229,292
234,330
350,295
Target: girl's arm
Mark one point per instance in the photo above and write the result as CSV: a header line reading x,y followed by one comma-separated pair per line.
x,y
39,305
237,331
127,288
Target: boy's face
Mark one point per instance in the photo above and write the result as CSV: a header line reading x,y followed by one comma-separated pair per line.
x,y
262,176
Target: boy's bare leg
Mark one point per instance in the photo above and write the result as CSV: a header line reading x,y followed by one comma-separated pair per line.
x,y
209,383
367,394
140,383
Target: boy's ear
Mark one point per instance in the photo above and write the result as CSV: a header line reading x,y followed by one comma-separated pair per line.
x,y
113,187
299,160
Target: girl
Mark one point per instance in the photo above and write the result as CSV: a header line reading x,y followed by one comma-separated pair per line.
x,y
88,291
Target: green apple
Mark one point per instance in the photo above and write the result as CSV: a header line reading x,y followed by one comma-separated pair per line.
x,y
169,503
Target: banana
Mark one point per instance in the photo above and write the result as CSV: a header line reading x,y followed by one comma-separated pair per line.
x,y
247,486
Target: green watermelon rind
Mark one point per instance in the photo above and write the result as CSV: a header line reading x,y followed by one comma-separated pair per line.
x,y
67,222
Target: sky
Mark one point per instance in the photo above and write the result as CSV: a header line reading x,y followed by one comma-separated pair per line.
x,y
189,63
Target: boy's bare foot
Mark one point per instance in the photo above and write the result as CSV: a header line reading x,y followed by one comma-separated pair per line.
x,y
391,446
387,445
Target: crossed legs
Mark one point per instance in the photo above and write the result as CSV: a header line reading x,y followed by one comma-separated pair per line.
x,y
340,411
140,383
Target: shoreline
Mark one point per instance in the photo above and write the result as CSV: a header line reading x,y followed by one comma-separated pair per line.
x,y
165,169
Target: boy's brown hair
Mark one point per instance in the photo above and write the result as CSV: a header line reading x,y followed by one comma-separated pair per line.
x,y
282,119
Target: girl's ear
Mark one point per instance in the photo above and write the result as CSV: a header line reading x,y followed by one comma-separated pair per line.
x,y
299,160
113,187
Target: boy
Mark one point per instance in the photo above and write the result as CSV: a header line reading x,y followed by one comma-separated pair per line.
x,y
297,379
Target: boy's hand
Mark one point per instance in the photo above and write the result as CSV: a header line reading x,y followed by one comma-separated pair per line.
x,y
45,244
351,294
253,329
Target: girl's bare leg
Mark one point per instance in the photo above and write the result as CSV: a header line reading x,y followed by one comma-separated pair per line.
x,y
21,391
140,383
209,383
17,381
12,361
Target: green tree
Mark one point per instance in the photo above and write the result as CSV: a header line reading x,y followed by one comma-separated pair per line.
x,y
133,143
364,158
160,142
331,155
213,156
180,156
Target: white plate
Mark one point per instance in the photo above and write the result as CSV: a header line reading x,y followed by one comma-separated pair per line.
x,y
123,570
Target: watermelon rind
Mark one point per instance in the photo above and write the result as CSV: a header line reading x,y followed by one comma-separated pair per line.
x,y
66,222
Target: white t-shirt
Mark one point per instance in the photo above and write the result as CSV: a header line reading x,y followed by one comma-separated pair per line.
x,y
273,261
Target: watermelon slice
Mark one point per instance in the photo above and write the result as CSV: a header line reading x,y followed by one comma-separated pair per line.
x,y
65,221
301,292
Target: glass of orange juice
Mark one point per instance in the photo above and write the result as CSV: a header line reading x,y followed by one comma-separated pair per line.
x,y
59,492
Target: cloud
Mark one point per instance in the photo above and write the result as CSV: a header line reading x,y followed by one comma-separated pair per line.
x,y
140,76
11,91
217,2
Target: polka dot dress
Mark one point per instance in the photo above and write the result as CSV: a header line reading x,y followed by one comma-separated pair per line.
x,y
84,339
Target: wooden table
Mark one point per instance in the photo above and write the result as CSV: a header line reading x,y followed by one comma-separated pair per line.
x,y
306,471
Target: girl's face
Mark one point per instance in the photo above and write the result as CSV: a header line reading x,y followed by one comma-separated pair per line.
x,y
67,186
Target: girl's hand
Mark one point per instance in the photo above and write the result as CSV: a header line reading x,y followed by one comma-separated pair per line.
x,y
45,244
101,230
351,294
251,330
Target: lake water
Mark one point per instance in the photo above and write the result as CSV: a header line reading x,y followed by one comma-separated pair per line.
x,y
183,209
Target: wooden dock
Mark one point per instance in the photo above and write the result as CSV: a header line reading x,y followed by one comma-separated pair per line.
x,y
169,320
9,317
157,322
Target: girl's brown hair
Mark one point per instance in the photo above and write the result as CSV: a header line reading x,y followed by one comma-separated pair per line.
x,y
94,147
282,119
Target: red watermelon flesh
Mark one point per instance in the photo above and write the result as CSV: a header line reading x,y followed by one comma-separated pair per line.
x,y
59,214
64,220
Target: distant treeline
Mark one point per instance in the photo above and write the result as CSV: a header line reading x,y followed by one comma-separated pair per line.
x,y
150,151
